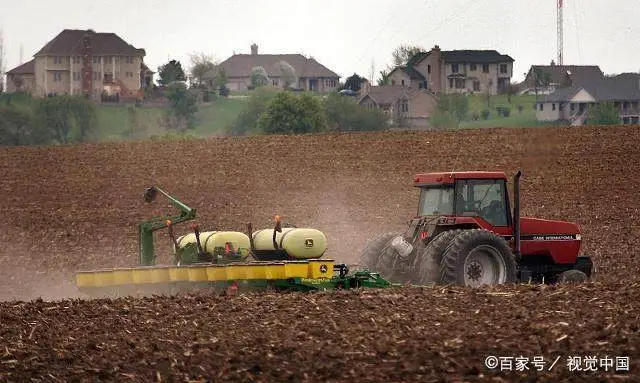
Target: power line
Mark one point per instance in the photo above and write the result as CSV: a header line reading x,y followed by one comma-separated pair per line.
x,y
389,20
454,14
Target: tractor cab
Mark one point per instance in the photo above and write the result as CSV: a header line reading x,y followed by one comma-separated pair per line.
x,y
465,194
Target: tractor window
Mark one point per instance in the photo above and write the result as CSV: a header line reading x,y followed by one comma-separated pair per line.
x,y
435,201
482,198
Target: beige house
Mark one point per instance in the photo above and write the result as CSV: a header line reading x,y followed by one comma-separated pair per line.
x,y
22,78
310,74
83,62
458,71
571,104
405,106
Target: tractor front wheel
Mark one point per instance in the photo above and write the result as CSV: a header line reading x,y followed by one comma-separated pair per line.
x,y
379,256
478,257
428,262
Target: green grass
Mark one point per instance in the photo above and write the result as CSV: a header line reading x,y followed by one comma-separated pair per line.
x,y
212,118
526,118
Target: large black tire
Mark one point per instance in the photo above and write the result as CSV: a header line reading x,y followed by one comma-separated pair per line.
x,y
427,267
478,257
378,256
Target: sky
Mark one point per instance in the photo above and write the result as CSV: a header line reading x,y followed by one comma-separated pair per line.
x,y
347,36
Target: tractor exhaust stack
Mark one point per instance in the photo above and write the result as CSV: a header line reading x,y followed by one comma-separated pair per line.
x,y
516,214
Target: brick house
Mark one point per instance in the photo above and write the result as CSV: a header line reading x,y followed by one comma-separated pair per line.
x,y
83,62
457,71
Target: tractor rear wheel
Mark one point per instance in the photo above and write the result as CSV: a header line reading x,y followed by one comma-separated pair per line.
x,y
478,257
572,276
428,262
378,256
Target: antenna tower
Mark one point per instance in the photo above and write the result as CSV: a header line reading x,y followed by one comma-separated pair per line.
x,y
560,30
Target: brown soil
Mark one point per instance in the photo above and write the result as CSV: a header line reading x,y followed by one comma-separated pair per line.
x,y
77,207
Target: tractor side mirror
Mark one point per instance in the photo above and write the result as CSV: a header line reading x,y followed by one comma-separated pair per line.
x,y
150,194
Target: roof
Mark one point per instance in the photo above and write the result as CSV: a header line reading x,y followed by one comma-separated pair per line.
x,y
578,73
388,94
27,68
410,71
450,177
623,87
69,42
475,56
465,56
240,65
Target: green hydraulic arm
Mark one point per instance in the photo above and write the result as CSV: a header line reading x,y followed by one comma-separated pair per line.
x,y
147,251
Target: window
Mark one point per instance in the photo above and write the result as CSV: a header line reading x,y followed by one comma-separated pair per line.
x,y
553,106
96,59
57,76
274,82
429,68
482,198
460,83
573,107
503,68
77,59
476,86
473,67
405,106
77,76
402,82
454,68
128,59
485,68
451,83
541,107
435,201
108,60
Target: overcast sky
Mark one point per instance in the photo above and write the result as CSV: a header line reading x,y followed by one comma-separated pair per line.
x,y
347,36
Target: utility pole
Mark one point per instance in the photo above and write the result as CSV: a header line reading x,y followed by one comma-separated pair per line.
x,y
560,37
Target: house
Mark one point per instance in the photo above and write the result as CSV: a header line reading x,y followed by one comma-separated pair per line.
x,y
545,79
572,103
404,105
83,62
22,78
310,74
457,71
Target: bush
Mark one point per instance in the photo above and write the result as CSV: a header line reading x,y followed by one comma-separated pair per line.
x,y
506,111
291,114
486,113
444,120
246,123
345,115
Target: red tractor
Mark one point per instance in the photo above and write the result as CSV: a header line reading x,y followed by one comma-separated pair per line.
x,y
465,234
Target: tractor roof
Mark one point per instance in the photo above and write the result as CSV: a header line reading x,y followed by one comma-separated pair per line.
x,y
451,177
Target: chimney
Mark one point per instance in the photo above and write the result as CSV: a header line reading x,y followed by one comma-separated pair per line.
x,y
87,69
553,63
254,49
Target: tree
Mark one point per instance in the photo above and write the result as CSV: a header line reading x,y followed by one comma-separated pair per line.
x,y
345,115
541,79
384,78
2,61
221,83
201,66
288,74
247,121
353,82
604,113
16,126
182,107
259,77
290,114
457,105
404,53
170,72
67,118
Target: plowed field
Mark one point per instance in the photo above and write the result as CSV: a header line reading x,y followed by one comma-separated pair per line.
x,y
77,207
